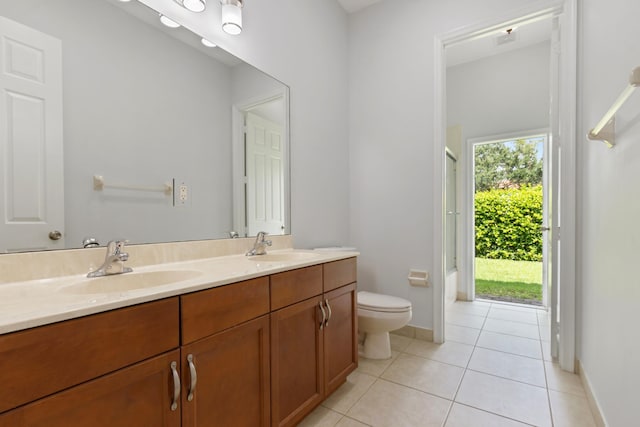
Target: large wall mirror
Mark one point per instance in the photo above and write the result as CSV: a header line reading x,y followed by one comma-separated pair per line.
x,y
114,126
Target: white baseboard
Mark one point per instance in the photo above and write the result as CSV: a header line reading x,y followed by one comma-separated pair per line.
x,y
593,403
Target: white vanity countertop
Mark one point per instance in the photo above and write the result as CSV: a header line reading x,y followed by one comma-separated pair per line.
x,y
38,302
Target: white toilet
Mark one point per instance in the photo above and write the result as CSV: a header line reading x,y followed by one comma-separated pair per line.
x,y
377,315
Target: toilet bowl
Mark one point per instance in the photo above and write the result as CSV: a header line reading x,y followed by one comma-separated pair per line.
x,y
379,314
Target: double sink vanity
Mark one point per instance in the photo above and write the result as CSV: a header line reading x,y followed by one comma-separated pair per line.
x,y
229,340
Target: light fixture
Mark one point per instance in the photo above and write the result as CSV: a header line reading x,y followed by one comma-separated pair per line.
x,y
169,22
193,5
207,43
231,16
124,1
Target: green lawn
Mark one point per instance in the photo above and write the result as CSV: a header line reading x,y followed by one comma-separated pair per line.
x,y
505,278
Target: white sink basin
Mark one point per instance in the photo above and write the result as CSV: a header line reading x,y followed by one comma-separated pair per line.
x,y
129,281
284,257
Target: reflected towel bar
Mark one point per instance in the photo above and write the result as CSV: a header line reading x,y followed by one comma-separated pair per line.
x,y
99,185
605,130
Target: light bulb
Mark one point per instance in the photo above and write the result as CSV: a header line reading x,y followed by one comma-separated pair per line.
x,y
194,5
207,43
169,22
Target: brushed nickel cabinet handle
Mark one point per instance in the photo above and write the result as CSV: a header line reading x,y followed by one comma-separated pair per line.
x,y
326,322
324,315
176,386
194,377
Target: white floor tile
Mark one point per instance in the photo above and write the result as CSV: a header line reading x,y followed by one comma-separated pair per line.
x,y
474,308
510,366
545,332
461,334
563,381
544,318
546,351
569,410
465,416
350,422
462,319
321,417
511,399
375,367
510,344
529,317
426,375
512,328
391,405
399,342
450,352
517,307
348,394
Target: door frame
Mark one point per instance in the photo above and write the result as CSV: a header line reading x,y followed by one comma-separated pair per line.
x,y
238,158
568,10
468,206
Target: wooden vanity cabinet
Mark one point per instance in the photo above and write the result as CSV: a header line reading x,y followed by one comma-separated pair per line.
x,y
313,337
225,337
256,353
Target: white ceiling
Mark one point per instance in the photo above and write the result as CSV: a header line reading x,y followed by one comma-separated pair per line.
x,y
355,5
526,34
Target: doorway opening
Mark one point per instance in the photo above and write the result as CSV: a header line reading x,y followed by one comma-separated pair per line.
x,y
509,200
560,118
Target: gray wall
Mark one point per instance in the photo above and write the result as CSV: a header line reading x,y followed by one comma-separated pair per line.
x,y
500,94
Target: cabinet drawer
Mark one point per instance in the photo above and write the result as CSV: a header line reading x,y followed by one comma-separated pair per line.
x,y
296,285
207,312
41,361
339,273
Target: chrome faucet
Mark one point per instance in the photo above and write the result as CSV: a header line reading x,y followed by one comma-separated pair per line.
x,y
113,261
260,245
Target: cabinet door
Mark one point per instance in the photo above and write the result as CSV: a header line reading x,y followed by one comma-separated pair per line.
x,y
340,336
296,361
140,395
232,372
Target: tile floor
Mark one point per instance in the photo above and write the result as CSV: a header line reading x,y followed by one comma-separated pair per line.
x,y
493,370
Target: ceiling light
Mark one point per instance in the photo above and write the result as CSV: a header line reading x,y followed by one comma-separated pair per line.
x,y
124,1
169,22
193,5
231,16
207,43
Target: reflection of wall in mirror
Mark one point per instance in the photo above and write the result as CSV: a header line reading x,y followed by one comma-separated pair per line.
x,y
140,108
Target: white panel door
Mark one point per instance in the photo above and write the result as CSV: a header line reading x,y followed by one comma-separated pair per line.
x,y
31,174
265,176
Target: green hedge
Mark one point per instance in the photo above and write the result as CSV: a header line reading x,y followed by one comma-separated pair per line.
x,y
508,224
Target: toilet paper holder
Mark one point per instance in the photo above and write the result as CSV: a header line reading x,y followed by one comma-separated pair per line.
x,y
418,278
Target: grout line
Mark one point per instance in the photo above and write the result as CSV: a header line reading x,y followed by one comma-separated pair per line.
x,y
496,414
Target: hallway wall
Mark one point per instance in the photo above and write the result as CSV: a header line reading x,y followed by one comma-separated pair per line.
x,y
609,235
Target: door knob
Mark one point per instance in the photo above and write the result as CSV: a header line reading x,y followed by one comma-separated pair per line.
x,y
55,235
543,228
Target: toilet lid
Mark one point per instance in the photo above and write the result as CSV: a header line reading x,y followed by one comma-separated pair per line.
x,y
380,302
